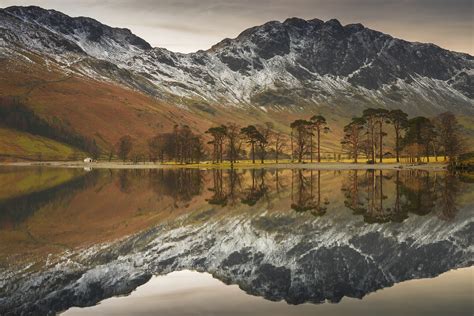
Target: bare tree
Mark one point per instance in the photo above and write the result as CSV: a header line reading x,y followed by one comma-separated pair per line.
x,y
279,142
266,135
154,148
124,146
420,132
352,141
450,135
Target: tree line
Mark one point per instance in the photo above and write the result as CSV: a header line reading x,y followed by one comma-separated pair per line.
x,y
418,137
364,136
182,145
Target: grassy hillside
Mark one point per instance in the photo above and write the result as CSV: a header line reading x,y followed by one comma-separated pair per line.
x,y
104,111
16,145
93,109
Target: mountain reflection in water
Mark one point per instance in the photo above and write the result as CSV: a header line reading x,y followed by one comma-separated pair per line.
x,y
75,237
186,293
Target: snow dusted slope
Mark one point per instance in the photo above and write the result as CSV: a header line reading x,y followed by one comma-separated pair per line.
x,y
302,62
285,66
277,255
90,36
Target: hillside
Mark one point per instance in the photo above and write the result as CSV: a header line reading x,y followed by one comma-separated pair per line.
x,y
99,83
17,145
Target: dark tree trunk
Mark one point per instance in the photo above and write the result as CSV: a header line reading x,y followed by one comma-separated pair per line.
x,y
380,141
253,152
319,147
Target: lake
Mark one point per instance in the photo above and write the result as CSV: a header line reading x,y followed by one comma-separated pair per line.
x,y
235,242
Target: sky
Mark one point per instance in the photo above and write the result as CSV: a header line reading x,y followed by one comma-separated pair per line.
x,y
189,25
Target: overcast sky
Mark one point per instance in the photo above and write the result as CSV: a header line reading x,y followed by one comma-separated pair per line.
x,y
189,25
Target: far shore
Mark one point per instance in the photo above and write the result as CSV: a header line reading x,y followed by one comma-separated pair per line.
x,y
433,166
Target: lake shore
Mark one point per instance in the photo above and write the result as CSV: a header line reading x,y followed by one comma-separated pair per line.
x,y
434,166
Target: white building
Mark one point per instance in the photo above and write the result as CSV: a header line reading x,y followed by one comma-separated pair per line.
x,y
88,160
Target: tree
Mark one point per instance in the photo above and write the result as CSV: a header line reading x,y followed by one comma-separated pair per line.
x,y
218,133
375,118
318,122
370,118
266,135
197,149
301,132
253,136
232,134
185,137
352,137
93,149
154,148
413,151
279,142
382,117
420,132
124,146
168,146
450,135
111,153
399,120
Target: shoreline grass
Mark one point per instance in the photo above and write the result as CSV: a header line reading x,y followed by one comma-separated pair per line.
x,y
242,164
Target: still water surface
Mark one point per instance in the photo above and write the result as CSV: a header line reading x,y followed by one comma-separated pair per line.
x,y
222,242
192,293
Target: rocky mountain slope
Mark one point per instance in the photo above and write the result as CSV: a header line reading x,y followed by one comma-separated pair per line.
x,y
276,71
293,63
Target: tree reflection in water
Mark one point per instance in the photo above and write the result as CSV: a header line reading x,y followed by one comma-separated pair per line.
x,y
410,192
376,195
304,199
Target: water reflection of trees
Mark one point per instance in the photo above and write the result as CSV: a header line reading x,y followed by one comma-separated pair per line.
x,y
257,189
307,194
180,184
382,196
230,187
220,196
378,196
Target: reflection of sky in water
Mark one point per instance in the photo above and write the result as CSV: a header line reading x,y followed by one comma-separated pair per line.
x,y
193,293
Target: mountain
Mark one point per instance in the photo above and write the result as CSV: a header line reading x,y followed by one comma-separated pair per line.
x,y
276,71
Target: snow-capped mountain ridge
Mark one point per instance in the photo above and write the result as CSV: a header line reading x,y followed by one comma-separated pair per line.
x,y
284,65
94,38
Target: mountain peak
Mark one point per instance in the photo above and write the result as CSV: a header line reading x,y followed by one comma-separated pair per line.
x,y
93,37
333,23
296,22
